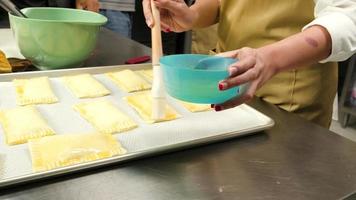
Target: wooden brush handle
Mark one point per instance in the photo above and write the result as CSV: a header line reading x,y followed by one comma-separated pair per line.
x,y
156,35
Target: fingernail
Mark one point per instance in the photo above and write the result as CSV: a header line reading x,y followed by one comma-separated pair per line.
x,y
222,85
232,70
212,105
218,108
149,22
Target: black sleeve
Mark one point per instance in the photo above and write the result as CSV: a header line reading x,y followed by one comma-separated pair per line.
x,y
30,3
4,19
44,3
62,3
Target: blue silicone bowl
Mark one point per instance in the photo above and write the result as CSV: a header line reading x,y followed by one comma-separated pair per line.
x,y
184,81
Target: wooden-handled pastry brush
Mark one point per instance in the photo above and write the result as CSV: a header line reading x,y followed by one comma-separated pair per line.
x,y
158,92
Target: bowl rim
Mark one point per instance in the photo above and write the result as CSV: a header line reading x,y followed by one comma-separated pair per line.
x,y
161,60
99,22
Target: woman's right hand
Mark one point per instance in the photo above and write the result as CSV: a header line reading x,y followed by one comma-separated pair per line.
x,y
175,15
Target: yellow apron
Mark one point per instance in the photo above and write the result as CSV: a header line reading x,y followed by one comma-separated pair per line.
x,y
204,39
308,91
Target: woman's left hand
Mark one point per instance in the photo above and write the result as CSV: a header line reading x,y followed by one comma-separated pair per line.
x,y
91,5
252,67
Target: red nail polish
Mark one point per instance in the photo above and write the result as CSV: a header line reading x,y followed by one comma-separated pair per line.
x,y
218,108
212,105
221,86
169,30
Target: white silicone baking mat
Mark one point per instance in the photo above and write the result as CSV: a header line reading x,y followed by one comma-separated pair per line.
x,y
190,129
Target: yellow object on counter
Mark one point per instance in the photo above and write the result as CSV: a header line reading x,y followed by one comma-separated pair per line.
x,y
64,150
5,66
142,103
85,86
105,117
34,91
129,81
193,107
147,73
23,123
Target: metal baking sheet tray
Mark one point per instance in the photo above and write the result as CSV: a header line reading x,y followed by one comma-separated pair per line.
x,y
191,129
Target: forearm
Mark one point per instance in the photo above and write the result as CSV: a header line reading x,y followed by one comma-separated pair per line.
x,y
309,46
207,12
338,17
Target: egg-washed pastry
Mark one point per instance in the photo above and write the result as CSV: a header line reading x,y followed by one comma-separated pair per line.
x,y
5,66
34,91
142,103
63,150
147,73
194,107
105,117
23,123
85,86
129,81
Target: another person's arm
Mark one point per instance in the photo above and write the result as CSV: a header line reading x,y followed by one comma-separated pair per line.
x,y
178,17
91,5
330,37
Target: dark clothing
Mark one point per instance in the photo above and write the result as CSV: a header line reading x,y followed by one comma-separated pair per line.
x,y
30,3
4,19
42,3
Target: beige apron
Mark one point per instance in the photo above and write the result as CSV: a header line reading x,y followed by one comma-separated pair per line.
x,y
204,39
308,91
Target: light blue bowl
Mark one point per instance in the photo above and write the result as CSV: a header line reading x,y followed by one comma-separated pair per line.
x,y
184,81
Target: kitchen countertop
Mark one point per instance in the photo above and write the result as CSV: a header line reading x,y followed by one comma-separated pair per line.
x,y
115,52
293,160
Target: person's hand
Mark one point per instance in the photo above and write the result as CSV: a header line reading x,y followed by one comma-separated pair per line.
x,y
91,5
253,67
175,15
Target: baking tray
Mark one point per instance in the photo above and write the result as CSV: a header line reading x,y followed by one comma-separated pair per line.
x,y
191,129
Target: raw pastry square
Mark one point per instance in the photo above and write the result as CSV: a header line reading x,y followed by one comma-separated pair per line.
x,y
194,107
85,86
70,149
105,117
34,91
147,73
23,123
142,103
129,81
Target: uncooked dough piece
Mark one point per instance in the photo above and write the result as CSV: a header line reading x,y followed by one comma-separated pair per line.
x,y
147,73
105,117
194,107
69,149
34,91
142,103
23,123
129,81
85,86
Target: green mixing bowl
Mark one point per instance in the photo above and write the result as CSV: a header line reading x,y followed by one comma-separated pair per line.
x,y
53,38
